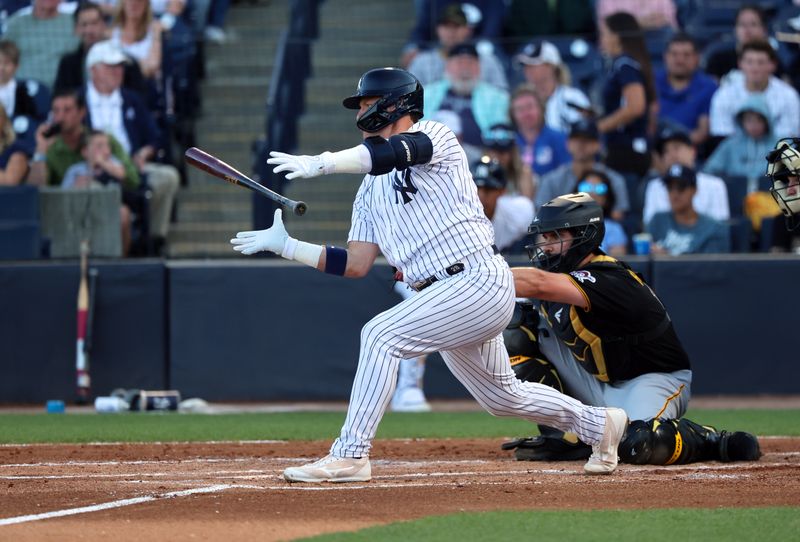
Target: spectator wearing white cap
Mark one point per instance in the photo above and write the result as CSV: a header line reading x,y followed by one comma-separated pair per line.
x,y
123,114
543,68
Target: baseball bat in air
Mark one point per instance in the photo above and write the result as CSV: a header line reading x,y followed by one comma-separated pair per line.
x,y
216,167
81,357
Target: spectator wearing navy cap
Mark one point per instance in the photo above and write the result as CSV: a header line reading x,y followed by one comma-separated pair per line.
x,y
583,144
674,146
452,29
484,16
500,143
543,68
682,230
510,214
478,104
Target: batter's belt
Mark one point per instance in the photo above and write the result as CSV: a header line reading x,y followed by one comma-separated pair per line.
x,y
467,261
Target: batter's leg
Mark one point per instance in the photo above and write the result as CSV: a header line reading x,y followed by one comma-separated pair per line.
x,y
486,372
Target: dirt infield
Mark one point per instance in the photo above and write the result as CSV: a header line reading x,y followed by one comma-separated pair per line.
x,y
234,491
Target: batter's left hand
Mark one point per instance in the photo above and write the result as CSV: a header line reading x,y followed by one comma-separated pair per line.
x,y
272,239
304,167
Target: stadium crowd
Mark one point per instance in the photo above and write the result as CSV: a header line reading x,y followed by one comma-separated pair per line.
x,y
663,110
105,93
605,96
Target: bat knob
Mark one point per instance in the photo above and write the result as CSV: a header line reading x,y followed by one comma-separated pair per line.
x,y
300,208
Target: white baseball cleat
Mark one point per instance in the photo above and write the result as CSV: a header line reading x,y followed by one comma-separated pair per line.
x,y
331,469
604,456
410,399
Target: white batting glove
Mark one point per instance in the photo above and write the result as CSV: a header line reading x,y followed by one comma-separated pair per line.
x,y
272,239
304,167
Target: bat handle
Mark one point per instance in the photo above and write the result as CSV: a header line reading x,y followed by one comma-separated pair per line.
x,y
299,208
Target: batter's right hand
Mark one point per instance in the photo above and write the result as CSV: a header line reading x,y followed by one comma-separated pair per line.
x,y
272,239
304,167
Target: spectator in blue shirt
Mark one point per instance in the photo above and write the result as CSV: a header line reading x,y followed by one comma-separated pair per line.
x,y
684,91
629,95
683,230
742,154
542,148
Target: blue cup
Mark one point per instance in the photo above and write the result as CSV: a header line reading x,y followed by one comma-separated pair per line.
x,y
642,243
55,406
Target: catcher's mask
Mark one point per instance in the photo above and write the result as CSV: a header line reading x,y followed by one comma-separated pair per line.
x,y
783,168
578,213
399,93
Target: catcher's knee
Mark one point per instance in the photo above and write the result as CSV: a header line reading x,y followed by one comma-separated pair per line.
x,y
651,442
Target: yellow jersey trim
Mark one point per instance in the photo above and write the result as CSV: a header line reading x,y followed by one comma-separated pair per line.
x,y
592,341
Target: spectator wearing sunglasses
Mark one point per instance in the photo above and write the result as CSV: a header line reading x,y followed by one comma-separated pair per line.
x,y
500,144
598,186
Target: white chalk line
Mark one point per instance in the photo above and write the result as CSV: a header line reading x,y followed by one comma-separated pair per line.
x,y
113,504
381,462
258,474
250,475
139,443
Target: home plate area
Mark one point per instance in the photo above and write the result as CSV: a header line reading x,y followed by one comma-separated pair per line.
x,y
235,490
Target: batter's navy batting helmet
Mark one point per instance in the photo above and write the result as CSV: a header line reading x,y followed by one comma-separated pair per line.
x,y
578,213
399,93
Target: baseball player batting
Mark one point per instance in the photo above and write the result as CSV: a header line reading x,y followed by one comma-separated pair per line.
x,y
419,207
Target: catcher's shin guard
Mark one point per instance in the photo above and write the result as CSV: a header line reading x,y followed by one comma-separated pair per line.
x,y
668,442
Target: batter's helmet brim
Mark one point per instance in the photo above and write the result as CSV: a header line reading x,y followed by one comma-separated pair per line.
x,y
352,102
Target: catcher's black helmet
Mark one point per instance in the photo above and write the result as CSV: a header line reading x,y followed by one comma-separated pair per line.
x,y
395,87
783,168
579,214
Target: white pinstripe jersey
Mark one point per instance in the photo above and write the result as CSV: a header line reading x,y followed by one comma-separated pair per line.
x,y
427,217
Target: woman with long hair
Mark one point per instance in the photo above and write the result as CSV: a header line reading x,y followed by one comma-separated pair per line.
x,y
500,144
597,184
629,95
139,35
13,156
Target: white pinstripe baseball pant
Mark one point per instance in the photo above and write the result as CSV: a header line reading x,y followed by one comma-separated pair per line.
x,y
462,317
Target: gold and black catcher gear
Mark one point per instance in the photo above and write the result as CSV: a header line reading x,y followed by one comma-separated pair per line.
x,y
678,442
522,344
578,213
531,365
783,168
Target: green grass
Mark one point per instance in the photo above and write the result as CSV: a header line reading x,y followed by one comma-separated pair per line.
x,y
665,525
139,427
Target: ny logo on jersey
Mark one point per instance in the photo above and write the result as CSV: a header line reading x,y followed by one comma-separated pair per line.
x,y
403,186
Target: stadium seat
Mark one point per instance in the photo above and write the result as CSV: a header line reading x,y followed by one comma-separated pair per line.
x,y
656,42
740,231
20,236
737,190
20,240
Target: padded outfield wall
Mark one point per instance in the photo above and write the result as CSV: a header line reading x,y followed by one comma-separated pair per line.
x,y
266,329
